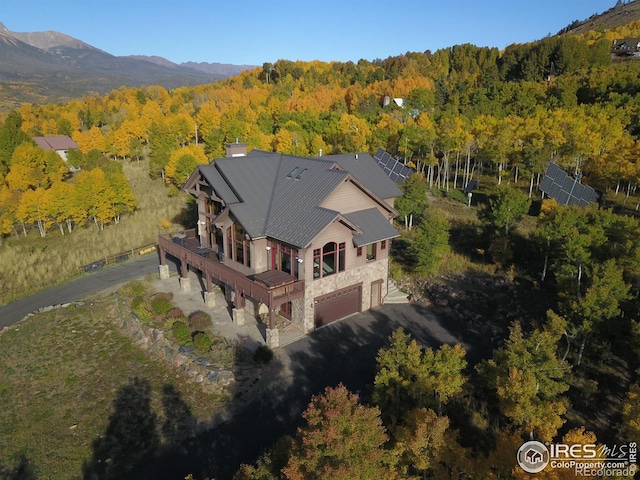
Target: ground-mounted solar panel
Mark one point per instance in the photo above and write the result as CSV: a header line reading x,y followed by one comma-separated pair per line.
x,y
394,168
472,185
567,190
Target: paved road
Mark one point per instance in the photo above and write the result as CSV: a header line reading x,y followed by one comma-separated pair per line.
x,y
80,288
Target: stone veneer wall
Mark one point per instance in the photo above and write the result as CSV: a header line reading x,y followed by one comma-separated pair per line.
x,y
366,274
197,367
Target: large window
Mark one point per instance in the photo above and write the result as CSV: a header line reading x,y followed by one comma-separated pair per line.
x,y
329,259
239,247
284,258
371,252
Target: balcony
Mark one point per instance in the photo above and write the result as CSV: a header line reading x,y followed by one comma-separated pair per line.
x,y
272,288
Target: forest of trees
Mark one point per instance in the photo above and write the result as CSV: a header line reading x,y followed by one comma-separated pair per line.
x,y
469,113
467,109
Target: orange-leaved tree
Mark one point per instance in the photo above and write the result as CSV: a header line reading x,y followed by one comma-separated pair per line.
x,y
342,440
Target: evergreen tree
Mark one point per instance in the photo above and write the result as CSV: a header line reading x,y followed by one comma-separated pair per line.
x,y
431,243
11,135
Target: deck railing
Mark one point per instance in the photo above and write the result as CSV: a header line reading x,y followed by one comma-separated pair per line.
x,y
185,247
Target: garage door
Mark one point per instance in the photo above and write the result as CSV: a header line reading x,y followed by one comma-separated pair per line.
x,y
338,304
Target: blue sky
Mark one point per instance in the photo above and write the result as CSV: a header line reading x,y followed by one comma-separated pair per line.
x,y
253,32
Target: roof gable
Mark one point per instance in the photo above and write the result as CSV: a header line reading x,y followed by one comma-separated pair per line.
x,y
366,170
281,196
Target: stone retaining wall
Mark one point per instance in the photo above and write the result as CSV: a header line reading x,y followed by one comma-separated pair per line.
x,y
185,358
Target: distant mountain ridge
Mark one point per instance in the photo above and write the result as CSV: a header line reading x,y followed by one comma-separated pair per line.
x,y
224,69
45,67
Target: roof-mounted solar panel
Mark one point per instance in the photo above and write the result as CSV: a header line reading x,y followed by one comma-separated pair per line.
x,y
394,168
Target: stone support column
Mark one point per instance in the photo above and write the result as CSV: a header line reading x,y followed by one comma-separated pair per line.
x,y
185,284
164,272
273,338
209,299
238,316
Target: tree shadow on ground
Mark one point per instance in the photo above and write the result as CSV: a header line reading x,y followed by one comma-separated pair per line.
x,y
135,435
342,352
188,216
131,435
216,449
22,470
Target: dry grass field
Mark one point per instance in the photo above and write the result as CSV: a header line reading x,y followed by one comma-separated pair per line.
x,y
33,263
60,374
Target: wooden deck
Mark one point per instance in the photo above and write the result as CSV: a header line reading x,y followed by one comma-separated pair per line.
x,y
185,247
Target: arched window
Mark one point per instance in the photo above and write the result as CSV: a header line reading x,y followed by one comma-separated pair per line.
x,y
328,260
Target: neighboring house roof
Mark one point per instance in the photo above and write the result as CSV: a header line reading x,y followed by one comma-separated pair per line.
x,y
57,142
279,196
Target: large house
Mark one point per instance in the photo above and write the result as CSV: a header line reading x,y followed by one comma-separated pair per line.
x,y
305,238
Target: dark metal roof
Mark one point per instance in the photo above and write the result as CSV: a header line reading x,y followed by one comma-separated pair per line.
x,y
374,226
566,190
219,185
253,179
296,216
279,196
363,168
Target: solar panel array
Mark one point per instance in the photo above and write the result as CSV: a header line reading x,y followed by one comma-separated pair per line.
x,y
394,168
566,190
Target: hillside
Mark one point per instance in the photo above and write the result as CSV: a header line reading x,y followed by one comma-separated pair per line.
x,y
616,16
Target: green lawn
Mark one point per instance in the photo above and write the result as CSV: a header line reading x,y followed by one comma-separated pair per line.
x,y
60,372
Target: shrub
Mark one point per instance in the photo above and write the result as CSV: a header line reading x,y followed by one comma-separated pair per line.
x,y
395,271
172,191
136,302
166,295
134,289
457,195
176,313
501,251
141,308
199,320
161,305
202,342
223,352
263,354
181,332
